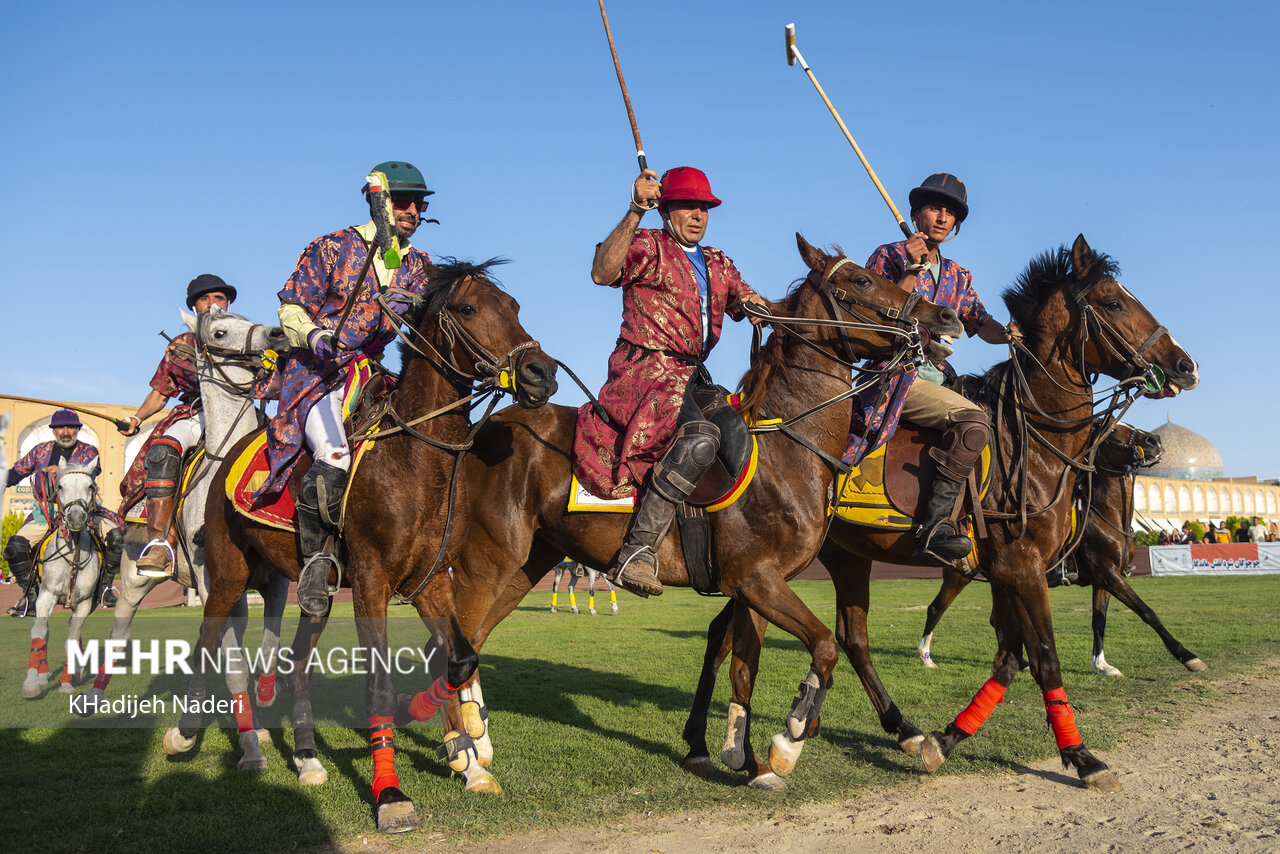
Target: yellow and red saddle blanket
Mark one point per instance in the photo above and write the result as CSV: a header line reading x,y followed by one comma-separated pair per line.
x,y
730,489
250,471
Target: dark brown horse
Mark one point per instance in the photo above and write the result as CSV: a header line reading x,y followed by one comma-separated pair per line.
x,y
519,473
402,523
1103,554
1078,321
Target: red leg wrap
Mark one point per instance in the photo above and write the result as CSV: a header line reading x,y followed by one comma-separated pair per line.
x,y
104,679
244,712
1061,718
984,703
384,766
66,666
266,687
39,658
426,702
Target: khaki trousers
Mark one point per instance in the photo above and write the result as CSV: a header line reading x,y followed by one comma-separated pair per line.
x,y
931,405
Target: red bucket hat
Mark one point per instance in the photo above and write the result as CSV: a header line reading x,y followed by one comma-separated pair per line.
x,y
686,184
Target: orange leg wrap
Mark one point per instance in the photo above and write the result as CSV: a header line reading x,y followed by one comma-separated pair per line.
x,y
244,712
984,703
39,658
266,687
1061,718
426,702
66,667
384,766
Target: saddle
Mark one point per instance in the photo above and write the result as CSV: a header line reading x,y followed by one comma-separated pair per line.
x,y
714,403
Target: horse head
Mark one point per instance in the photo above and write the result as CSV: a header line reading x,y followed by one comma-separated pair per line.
x,y
1071,308
230,348
1128,449
874,301
473,327
77,495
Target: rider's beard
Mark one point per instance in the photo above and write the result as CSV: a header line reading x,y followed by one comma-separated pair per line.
x,y
66,444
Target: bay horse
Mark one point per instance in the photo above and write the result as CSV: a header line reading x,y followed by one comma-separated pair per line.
x,y
228,362
69,565
1101,557
406,512
519,475
1078,321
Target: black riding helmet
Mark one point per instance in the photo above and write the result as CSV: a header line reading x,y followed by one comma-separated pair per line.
x,y
207,283
944,188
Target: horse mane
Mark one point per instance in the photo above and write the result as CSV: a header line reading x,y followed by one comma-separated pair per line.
x,y
1044,274
442,278
772,358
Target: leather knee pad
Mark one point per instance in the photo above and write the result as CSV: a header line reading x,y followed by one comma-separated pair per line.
x,y
164,463
17,549
962,444
692,451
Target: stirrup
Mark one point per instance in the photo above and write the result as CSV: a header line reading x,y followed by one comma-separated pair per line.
x,y
329,589
640,586
925,546
157,571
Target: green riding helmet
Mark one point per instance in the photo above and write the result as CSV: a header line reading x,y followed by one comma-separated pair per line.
x,y
401,177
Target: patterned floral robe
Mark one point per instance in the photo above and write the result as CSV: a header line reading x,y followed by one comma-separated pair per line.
x,y
175,376
881,405
325,276
645,387
37,458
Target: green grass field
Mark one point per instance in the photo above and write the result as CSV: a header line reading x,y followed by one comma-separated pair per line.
x,y
586,716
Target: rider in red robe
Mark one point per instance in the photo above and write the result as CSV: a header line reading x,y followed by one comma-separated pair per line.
x,y
675,294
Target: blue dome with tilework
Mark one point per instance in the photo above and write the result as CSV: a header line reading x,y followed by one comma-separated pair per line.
x,y
1187,455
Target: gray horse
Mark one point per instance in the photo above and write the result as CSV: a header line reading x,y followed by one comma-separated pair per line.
x,y
70,563
229,352
576,572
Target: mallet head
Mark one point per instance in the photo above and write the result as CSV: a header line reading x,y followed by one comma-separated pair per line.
x,y
791,44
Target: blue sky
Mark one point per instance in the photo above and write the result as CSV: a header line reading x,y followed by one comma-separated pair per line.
x,y
146,143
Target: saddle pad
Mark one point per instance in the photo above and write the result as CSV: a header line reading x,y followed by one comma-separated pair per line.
x,y
250,471
583,501
138,513
863,497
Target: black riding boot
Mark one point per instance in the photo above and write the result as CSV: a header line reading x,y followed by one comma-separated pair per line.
x,y
113,548
960,450
319,507
938,537
672,480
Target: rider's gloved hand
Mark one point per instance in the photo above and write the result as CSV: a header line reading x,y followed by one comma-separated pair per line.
x,y
322,344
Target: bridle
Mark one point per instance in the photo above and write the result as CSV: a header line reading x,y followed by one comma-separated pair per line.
x,y
1151,374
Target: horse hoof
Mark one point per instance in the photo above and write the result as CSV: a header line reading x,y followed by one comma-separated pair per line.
x,y
93,700
699,766
593,613
66,687
1195,665
30,692
248,764
784,752
929,665
1102,781
311,772
252,760
395,812
931,753
484,784
43,679
913,745
264,736
768,783
175,743
1108,670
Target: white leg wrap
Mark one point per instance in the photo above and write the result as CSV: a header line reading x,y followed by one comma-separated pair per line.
x,y
734,754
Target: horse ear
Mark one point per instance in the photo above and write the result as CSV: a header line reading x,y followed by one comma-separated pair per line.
x,y
1081,257
813,257
189,319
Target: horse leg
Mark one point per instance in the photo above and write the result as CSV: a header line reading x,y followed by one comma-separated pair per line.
x,y
698,759
852,578
465,713
952,583
591,591
737,753
1101,599
237,676
1123,591
573,585
306,759
938,745
76,624
274,599
38,659
555,587
133,589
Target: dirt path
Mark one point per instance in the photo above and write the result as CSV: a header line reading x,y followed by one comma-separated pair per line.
x,y
1210,785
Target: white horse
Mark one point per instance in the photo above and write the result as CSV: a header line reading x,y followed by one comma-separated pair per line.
x,y
69,566
229,352
576,572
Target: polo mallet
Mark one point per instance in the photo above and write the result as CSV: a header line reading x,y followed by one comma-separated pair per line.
x,y
626,99
384,217
60,405
793,56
